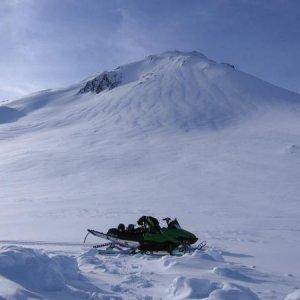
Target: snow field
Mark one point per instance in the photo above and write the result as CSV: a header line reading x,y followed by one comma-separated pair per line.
x,y
181,136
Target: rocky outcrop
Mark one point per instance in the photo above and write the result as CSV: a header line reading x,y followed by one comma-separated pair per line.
x,y
105,81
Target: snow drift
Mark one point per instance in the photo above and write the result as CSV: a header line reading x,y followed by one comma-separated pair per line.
x,y
35,270
195,288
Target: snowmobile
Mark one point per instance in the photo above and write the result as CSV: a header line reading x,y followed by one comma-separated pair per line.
x,y
148,237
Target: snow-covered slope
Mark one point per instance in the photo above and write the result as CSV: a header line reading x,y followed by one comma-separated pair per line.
x,y
171,90
174,134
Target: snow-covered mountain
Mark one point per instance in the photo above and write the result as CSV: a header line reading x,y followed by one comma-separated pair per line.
x,y
175,134
171,90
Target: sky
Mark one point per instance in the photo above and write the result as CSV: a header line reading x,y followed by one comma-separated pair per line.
x,y
55,43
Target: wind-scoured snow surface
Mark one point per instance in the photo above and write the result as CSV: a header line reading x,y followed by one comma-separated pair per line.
x,y
175,134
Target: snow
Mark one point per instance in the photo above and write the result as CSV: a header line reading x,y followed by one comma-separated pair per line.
x,y
195,288
84,274
11,290
8,114
33,270
179,135
293,296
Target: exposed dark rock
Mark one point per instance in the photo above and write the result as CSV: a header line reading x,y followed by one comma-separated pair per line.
x,y
106,80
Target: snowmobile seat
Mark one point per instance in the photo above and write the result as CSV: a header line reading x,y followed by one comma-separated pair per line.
x,y
113,231
121,227
130,228
139,230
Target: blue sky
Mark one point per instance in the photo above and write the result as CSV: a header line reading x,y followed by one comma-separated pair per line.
x,y
48,44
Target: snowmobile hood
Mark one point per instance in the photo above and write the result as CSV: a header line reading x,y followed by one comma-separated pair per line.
x,y
180,235
188,237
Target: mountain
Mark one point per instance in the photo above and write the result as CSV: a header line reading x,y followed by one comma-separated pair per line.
x,y
175,134
171,90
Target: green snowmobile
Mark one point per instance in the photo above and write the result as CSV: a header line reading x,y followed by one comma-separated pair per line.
x,y
149,237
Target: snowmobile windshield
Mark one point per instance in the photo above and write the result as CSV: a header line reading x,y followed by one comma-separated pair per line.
x,y
174,224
